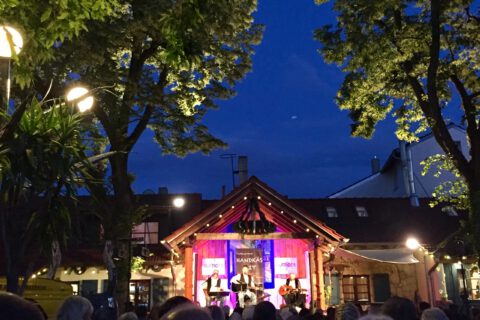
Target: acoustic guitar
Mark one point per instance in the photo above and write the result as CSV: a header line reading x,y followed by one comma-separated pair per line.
x,y
285,289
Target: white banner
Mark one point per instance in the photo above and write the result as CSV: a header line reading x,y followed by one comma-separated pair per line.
x,y
210,264
284,266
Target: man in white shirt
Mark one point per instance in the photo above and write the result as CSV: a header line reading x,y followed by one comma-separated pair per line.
x,y
211,285
244,285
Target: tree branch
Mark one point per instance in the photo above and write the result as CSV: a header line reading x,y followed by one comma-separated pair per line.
x,y
147,114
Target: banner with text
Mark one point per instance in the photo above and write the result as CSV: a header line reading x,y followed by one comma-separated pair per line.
x,y
210,264
285,266
253,258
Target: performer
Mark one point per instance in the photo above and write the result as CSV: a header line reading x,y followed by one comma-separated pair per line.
x,y
213,284
294,297
244,286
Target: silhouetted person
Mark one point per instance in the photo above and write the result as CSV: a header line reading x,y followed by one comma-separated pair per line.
x,y
400,309
265,310
216,312
347,311
13,307
434,314
185,312
160,310
75,308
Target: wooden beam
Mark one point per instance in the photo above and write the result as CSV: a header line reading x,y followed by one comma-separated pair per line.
x,y
266,236
189,272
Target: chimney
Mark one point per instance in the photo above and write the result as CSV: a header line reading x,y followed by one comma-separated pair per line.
x,y
375,162
242,169
163,190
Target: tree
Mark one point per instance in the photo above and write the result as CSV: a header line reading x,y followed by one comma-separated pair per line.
x,y
411,59
166,63
39,175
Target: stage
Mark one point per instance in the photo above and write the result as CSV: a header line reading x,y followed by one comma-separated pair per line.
x,y
257,227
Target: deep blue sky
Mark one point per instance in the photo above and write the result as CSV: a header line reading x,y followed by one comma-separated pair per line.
x,y
283,118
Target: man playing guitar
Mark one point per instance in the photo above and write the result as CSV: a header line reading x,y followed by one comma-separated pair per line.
x,y
292,291
244,286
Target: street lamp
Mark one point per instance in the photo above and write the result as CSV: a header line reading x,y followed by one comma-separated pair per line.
x,y
11,44
80,96
178,202
412,244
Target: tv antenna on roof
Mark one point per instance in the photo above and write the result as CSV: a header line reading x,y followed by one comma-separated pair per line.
x,y
230,156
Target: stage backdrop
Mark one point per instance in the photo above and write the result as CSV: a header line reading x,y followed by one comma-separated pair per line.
x,y
253,258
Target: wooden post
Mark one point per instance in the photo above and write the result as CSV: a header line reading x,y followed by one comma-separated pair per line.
x,y
320,285
188,272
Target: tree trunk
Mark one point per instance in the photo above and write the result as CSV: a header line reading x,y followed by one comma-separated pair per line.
x,y
123,205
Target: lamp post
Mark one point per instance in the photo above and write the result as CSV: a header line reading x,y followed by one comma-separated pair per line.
x,y
414,245
81,97
11,44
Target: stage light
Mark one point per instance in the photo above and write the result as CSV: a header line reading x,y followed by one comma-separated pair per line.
x,y
281,212
294,221
233,207
220,215
208,224
269,203
259,197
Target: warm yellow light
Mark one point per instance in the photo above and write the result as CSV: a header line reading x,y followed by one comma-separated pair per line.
x,y
412,244
447,257
178,202
464,258
81,97
6,46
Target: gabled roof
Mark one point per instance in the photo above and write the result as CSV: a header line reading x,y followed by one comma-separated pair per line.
x,y
391,160
285,214
390,220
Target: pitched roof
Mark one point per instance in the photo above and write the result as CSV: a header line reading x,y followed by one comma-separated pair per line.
x,y
390,220
284,213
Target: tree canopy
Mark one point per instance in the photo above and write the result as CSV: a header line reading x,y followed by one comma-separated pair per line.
x,y
414,60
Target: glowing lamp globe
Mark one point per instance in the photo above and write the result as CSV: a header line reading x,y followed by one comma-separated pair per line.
x,y
79,94
6,46
412,244
178,202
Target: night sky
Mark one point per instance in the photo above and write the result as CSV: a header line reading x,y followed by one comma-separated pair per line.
x,y
283,118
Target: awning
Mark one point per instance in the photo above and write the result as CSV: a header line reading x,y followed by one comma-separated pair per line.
x,y
402,255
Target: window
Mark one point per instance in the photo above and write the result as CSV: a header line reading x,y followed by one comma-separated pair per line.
x,y
381,287
361,212
332,212
458,144
146,233
356,288
450,211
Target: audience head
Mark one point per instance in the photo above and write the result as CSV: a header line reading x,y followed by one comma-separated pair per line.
x,y
400,309
331,313
13,307
247,313
347,311
265,310
216,312
375,317
226,311
434,314
128,316
75,308
160,310
186,312
423,306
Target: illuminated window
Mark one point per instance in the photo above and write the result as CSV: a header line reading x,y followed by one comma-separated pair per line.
x,y
356,288
361,212
146,233
332,212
